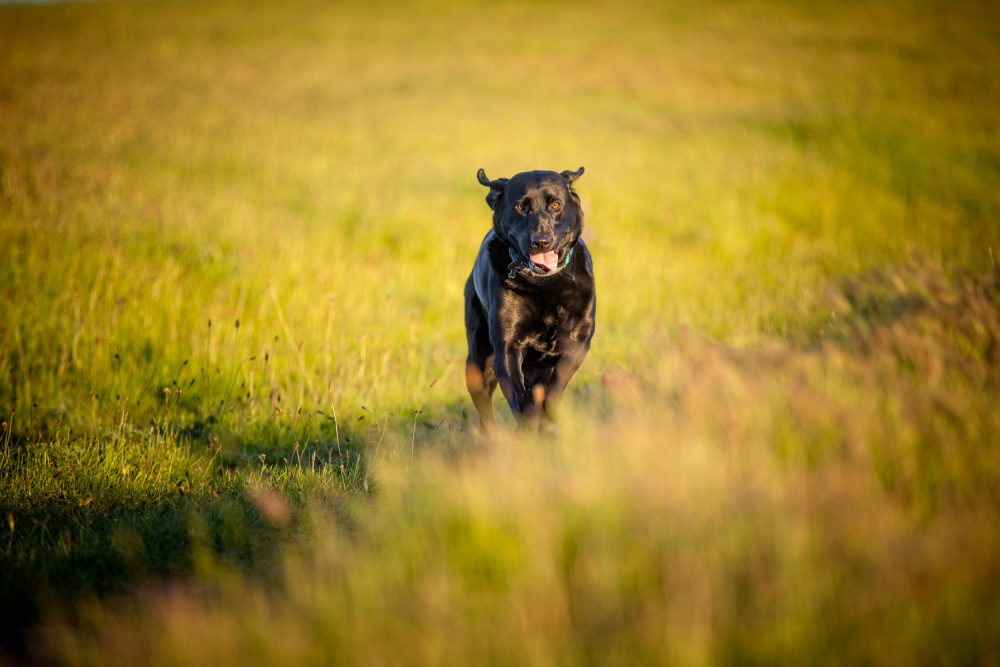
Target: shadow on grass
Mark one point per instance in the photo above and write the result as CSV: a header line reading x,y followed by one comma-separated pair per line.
x,y
226,509
57,551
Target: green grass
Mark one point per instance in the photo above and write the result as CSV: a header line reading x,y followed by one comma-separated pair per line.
x,y
233,240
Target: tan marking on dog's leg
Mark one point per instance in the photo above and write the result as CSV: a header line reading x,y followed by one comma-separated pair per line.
x,y
474,380
476,383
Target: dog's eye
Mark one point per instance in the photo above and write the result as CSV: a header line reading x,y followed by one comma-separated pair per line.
x,y
520,207
555,205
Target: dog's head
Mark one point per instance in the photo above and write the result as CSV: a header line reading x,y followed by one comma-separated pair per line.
x,y
537,213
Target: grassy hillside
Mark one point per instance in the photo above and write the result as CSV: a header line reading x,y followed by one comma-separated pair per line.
x,y
233,240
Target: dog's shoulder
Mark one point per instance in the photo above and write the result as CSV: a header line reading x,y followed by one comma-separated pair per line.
x,y
493,255
490,268
588,262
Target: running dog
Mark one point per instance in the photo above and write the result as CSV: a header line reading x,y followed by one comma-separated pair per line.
x,y
529,302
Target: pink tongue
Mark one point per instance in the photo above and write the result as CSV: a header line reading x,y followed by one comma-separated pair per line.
x,y
547,259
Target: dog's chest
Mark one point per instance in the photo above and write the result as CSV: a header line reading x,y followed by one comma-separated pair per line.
x,y
551,328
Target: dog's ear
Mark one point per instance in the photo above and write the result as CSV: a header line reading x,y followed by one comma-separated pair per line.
x,y
496,187
571,176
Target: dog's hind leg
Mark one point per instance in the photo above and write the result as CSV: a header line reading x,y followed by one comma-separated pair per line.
x,y
480,378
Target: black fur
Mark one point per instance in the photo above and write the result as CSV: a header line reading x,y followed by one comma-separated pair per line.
x,y
529,329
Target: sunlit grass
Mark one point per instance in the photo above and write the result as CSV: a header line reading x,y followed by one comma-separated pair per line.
x,y
764,505
232,246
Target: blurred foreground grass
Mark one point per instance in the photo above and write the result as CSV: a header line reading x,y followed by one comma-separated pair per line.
x,y
234,239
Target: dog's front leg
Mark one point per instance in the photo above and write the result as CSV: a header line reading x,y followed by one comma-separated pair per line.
x,y
510,377
573,354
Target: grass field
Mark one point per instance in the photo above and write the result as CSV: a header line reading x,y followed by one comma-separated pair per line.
x,y
233,241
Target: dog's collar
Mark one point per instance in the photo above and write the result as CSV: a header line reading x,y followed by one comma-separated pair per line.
x,y
519,263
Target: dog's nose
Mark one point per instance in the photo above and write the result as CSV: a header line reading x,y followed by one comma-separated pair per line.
x,y
542,242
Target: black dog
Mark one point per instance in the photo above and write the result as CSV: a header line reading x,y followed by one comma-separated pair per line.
x,y
529,303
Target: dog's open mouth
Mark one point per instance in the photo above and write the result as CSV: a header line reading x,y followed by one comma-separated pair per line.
x,y
547,260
